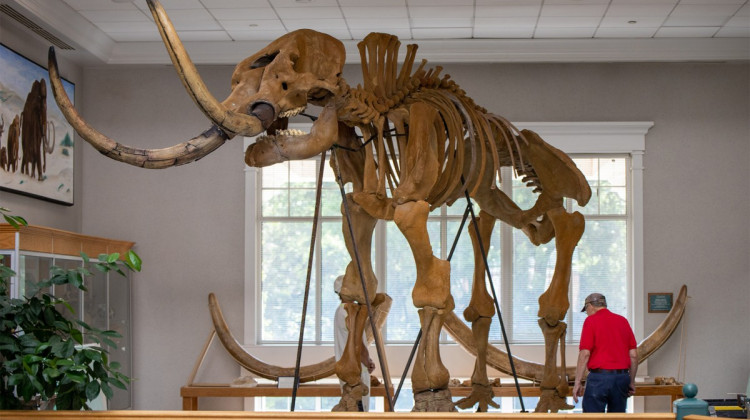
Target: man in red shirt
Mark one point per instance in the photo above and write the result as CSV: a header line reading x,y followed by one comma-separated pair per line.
x,y
609,351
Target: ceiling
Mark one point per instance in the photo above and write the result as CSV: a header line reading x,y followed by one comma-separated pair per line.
x,y
225,31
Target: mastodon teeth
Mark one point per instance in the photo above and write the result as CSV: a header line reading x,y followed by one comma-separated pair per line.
x,y
290,132
291,112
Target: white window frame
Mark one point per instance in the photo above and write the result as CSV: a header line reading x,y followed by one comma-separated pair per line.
x,y
572,138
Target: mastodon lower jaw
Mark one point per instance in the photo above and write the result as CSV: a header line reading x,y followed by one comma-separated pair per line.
x,y
291,132
291,112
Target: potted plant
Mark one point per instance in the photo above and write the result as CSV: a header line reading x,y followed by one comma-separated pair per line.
x,y
42,352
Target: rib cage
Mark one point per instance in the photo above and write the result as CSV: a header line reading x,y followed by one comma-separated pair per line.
x,y
475,140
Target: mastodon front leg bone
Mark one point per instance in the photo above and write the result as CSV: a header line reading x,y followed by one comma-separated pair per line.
x,y
431,293
269,150
349,367
362,225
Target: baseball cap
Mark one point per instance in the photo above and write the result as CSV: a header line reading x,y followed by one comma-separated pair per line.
x,y
594,297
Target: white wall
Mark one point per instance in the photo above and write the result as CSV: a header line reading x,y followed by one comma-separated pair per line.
x,y
187,221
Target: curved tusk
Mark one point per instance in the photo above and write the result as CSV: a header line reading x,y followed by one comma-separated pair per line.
x,y
660,335
498,359
229,121
258,367
179,154
307,373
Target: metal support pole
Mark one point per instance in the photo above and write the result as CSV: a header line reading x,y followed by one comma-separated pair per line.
x,y
316,217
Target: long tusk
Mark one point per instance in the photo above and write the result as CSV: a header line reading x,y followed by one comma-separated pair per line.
x,y
307,373
660,335
498,359
231,122
179,154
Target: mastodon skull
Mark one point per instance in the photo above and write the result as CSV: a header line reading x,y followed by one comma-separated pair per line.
x,y
280,80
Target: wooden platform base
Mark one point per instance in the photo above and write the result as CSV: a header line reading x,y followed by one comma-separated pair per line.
x,y
190,394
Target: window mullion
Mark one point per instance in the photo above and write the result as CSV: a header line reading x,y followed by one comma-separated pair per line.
x,y
381,271
318,284
506,261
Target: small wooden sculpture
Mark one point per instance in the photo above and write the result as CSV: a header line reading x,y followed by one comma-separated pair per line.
x,y
432,145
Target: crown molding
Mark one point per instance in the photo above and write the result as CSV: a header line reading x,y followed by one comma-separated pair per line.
x,y
90,42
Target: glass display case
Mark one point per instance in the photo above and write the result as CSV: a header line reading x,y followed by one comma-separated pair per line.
x,y
32,250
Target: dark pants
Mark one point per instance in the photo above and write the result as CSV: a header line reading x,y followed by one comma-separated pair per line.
x,y
606,390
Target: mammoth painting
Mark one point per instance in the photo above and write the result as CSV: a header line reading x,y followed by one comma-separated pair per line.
x,y
37,134
431,145
36,142
10,152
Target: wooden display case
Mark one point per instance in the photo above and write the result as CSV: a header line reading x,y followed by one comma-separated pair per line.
x,y
32,250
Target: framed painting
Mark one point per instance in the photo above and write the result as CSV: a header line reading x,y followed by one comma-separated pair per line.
x,y
37,156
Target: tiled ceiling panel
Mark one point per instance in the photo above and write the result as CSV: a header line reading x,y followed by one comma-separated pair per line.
x,y
127,20
221,31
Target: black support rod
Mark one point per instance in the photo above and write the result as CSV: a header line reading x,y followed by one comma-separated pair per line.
x,y
313,237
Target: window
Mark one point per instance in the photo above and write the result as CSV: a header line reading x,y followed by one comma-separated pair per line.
x,y
280,212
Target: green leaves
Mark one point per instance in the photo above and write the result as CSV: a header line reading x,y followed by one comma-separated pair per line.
x,y
133,261
63,349
43,353
15,221
92,390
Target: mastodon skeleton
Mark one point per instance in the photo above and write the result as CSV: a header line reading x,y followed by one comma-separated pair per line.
x,y
443,146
